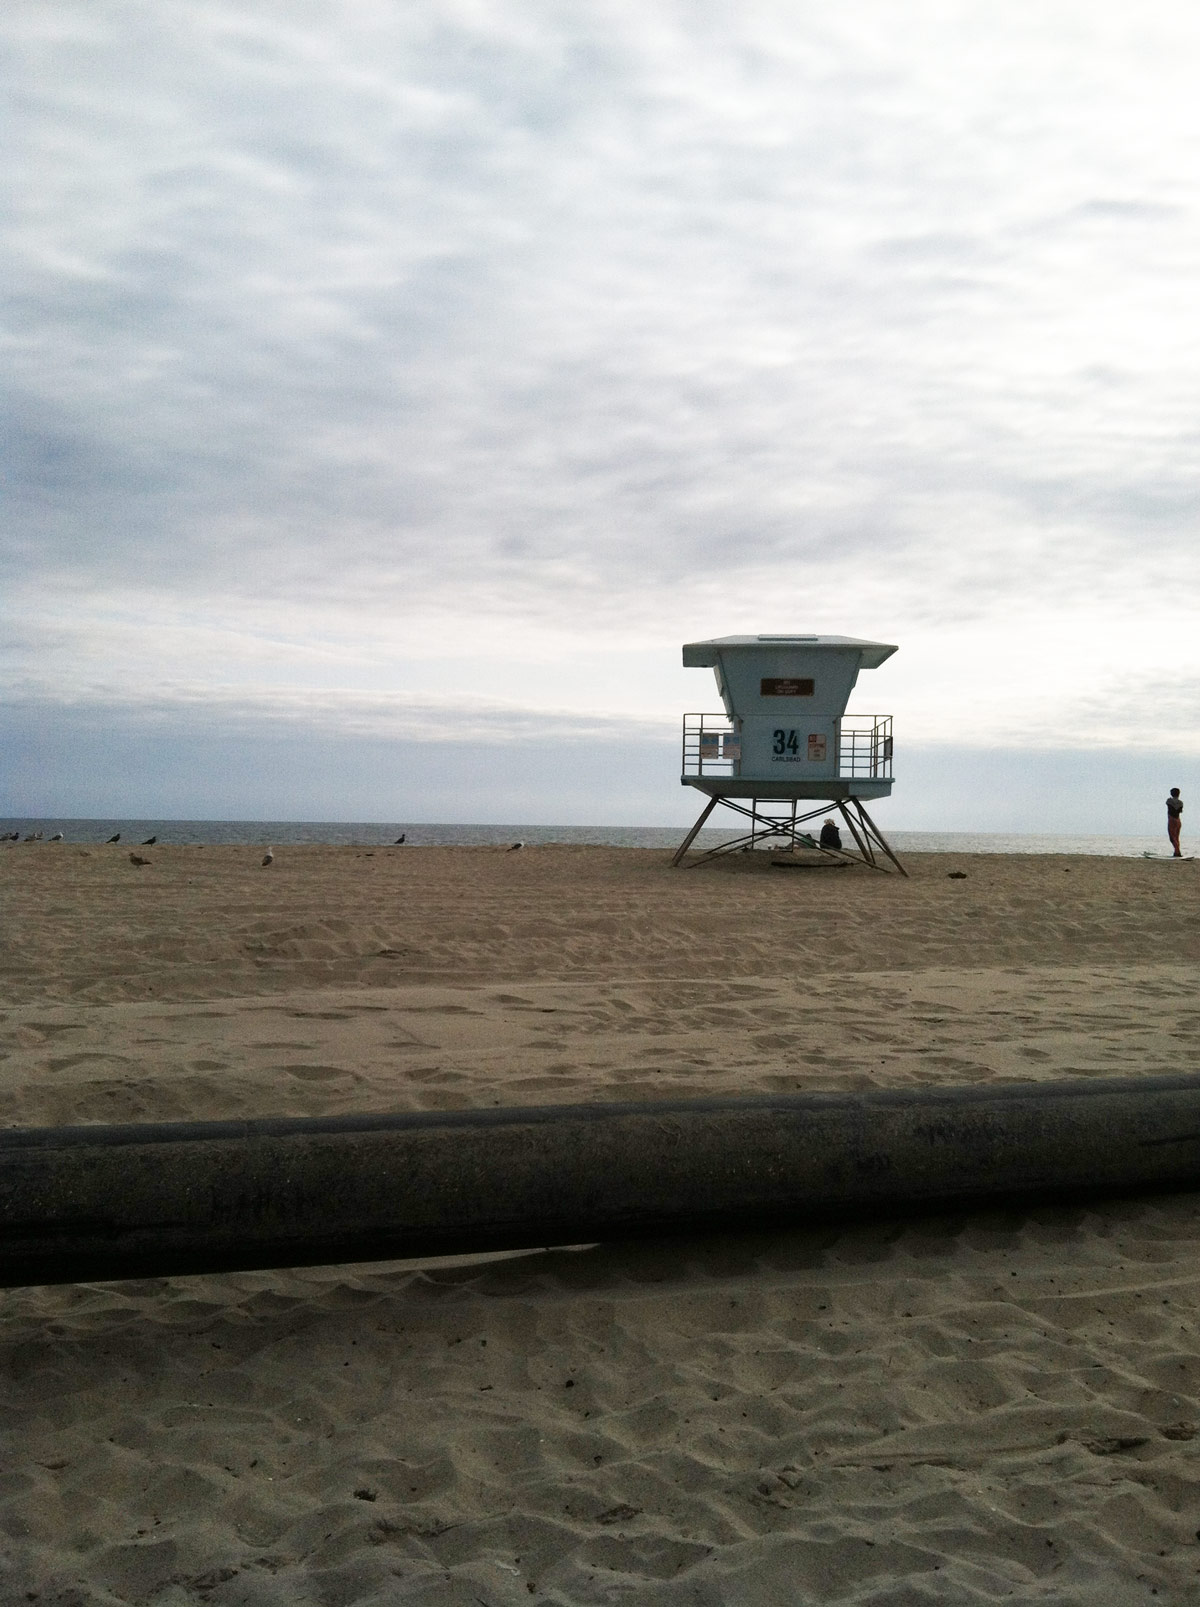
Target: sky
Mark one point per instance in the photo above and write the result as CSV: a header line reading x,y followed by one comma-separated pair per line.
x,y
391,389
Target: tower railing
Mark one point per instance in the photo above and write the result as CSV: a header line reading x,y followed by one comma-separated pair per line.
x,y
865,746
712,746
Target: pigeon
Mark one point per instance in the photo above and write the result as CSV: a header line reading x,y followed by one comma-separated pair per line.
x,y
136,859
115,838
150,842
269,857
515,846
401,837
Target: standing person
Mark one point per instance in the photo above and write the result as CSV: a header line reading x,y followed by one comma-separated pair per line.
x,y
1174,821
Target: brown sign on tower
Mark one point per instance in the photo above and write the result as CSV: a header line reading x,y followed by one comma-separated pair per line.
x,y
778,686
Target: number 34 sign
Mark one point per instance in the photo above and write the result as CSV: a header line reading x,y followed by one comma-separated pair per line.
x,y
786,746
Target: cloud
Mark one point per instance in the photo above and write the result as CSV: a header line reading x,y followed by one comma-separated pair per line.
x,y
347,339
344,712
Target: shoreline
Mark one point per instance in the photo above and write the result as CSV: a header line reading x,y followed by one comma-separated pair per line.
x,y
95,832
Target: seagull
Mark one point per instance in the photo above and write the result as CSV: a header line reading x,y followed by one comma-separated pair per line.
x,y
57,838
136,859
401,837
150,842
115,838
269,857
515,846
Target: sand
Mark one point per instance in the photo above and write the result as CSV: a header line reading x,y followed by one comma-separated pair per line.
x,y
999,1406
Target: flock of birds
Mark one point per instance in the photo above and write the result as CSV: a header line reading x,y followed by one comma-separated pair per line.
x,y
137,859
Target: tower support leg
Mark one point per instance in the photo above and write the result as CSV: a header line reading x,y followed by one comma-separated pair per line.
x,y
864,842
690,838
866,834
874,834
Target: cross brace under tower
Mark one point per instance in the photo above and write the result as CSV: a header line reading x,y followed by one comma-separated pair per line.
x,y
871,843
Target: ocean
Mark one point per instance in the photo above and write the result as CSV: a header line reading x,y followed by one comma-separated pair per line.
x,y
375,833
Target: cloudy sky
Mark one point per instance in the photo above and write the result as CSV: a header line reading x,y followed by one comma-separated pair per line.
x,y
391,388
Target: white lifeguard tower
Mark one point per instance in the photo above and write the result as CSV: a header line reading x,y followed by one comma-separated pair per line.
x,y
785,738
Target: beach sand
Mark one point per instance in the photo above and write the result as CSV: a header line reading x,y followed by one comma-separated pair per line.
x,y
966,1408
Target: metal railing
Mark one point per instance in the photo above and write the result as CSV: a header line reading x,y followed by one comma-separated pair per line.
x,y
865,746
712,746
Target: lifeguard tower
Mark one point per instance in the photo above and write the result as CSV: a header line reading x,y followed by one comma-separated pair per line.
x,y
785,740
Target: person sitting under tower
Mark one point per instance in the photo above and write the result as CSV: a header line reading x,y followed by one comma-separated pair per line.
x,y
831,837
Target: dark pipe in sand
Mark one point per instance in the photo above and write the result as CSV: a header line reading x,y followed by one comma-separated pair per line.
x,y
135,1201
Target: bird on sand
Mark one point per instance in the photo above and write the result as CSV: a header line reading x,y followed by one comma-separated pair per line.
x,y
57,838
136,859
269,857
515,846
115,838
150,842
401,837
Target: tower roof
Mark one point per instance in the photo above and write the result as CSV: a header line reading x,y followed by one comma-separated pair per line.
x,y
703,655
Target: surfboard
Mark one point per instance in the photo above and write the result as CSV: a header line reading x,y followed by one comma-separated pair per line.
x,y
1181,859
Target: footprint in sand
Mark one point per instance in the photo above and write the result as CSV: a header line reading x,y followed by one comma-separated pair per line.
x,y
65,1062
